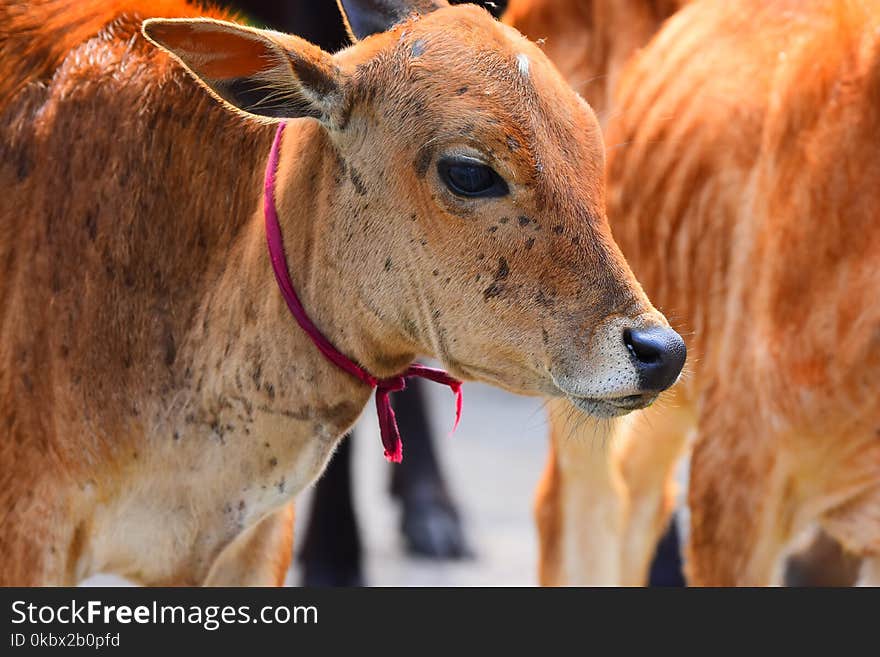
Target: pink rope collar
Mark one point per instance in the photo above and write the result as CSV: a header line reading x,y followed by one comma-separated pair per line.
x,y
387,422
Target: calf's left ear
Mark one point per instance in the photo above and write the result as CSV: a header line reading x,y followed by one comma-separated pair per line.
x,y
262,73
366,17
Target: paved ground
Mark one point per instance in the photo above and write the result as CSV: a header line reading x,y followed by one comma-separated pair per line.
x,y
493,463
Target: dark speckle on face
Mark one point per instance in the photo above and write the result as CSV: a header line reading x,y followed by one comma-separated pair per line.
x,y
524,221
494,290
503,269
461,91
410,328
558,230
357,181
530,243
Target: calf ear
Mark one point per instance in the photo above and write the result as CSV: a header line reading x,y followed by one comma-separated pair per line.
x,y
366,17
262,73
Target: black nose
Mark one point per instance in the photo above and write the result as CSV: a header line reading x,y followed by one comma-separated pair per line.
x,y
659,354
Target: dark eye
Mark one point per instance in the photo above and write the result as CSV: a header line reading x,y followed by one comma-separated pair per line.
x,y
471,178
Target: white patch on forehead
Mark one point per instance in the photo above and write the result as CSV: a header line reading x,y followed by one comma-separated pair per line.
x,y
522,63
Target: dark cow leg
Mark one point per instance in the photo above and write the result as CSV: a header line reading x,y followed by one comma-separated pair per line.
x,y
666,569
331,551
430,523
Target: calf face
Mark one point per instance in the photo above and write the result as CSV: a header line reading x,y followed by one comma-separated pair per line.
x,y
470,177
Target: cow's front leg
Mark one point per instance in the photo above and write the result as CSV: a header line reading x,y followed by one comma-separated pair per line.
x,y
579,507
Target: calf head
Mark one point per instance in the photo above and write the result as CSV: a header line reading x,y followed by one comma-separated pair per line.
x,y
479,173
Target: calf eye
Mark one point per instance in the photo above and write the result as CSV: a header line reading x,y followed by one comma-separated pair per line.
x,y
471,178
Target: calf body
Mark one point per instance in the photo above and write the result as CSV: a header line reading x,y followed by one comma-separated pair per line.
x,y
742,191
785,394
158,405
157,397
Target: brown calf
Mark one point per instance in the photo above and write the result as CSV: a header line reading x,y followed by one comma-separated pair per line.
x,y
441,195
742,188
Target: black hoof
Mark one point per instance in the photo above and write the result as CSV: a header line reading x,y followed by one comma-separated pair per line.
x,y
432,529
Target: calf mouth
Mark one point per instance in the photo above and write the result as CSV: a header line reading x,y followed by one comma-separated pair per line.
x,y
608,407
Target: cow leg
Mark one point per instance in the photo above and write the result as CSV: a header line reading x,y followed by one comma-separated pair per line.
x,y
667,568
604,499
645,452
742,509
260,556
430,522
331,553
579,504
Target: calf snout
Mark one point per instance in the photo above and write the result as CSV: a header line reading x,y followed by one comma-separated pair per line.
x,y
658,354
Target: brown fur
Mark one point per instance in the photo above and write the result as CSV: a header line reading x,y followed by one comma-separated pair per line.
x,y
590,41
548,519
741,173
158,402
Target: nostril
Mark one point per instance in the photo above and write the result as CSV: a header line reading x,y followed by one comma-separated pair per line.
x,y
644,346
659,354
